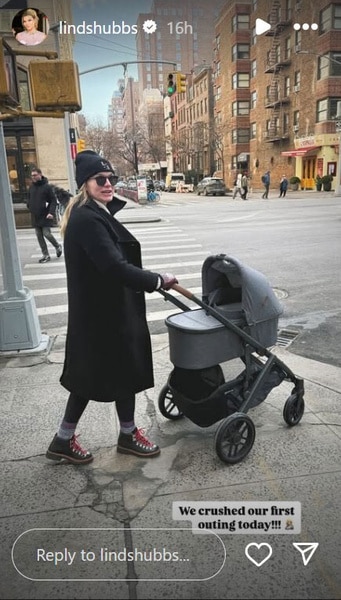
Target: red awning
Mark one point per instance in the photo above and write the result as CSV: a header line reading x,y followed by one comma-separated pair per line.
x,y
300,151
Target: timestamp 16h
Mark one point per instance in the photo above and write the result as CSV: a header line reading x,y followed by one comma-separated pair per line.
x,y
180,28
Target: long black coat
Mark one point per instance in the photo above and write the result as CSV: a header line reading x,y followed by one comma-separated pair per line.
x,y
41,202
108,349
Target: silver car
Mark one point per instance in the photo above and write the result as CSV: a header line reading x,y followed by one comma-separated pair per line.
x,y
211,185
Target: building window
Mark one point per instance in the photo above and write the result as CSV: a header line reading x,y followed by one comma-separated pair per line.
x,y
240,80
253,99
240,108
218,93
296,120
240,136
240,51
240,22
253,68
330,18
217,42
329,65
253,37
253,131
298,41
326,109
287,48
297,81
287,87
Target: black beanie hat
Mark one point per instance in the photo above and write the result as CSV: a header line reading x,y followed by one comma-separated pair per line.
x,y
88,163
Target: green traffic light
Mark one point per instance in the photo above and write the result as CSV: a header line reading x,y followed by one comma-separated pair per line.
x,y
170,85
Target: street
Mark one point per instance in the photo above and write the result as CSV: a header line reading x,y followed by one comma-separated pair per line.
x,y
294,241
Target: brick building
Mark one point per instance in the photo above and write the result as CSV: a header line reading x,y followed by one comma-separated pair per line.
x,y
276,94
193,126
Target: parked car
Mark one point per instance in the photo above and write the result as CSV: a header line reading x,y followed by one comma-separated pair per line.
x,y
120,185
159,184
211,185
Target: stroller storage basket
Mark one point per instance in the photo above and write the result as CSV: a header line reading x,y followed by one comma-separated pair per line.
x,y
198,395
197,340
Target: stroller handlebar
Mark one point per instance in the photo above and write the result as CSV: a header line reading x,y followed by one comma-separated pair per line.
x,y
183,291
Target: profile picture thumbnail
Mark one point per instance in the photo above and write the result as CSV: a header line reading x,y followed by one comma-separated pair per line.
x,y
30,26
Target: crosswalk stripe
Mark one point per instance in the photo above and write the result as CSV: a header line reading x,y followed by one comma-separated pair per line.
x,y
149,297
44,276
49,276
49,291
161,265
63,308
163,247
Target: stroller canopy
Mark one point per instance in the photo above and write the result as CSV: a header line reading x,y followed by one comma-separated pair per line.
x,y
225,280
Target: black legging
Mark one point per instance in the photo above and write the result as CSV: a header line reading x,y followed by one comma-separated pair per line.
x,y
76,405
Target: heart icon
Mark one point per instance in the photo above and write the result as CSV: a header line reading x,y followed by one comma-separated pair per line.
x,y
258,563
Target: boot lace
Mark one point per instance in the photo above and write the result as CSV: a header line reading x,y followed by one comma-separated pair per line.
x,y
76,447
141,439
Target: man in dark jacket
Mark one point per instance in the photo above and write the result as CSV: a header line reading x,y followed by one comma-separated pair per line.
x,y
42,205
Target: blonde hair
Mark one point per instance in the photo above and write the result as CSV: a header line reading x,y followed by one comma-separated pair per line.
x,y
79,200
30,12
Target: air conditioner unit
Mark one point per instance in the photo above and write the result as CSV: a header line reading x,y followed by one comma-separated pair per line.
x,y
296,128
296,88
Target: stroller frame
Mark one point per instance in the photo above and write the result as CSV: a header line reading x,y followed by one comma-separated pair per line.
x,y
230,401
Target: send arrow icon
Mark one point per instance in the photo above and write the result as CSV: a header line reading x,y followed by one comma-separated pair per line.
x,y
306,550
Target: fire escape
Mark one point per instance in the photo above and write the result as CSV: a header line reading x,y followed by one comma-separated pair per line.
x,y
277,95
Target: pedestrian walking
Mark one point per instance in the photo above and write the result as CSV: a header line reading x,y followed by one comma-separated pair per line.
x,y
244,186
108,348
42,204
266,182
63,198
237,189
283,186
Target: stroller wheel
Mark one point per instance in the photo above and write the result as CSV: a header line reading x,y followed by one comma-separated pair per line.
x,y
293,409
167,405
234,438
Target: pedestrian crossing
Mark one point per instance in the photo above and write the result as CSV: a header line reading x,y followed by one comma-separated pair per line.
x,y
164,248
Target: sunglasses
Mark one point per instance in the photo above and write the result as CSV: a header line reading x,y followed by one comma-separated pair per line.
x,y
102,179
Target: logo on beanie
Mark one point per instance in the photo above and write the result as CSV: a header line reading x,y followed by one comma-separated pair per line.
x,y
105,165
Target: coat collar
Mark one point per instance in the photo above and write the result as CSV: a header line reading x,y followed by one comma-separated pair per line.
x,y
113,206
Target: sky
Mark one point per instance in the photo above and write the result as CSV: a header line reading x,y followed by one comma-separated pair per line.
x,y
95,50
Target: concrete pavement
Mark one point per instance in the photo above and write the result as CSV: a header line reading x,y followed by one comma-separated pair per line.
x,y
110,500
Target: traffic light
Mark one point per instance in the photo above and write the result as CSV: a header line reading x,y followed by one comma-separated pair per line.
x,y
55,85
171,86
80,145
180,83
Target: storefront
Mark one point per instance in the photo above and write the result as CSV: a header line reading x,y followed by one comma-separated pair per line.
x,y
315,156
21,156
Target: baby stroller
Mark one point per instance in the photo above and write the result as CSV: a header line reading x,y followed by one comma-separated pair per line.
x,y
237,318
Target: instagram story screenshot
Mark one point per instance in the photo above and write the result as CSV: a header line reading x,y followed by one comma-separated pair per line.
x,y
170,357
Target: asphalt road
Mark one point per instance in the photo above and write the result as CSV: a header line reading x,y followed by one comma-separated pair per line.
x,y
295,242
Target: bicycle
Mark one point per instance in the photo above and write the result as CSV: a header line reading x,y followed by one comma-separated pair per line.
x,y
153,196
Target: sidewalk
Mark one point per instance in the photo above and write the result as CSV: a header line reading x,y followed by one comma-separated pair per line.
x,y
126,494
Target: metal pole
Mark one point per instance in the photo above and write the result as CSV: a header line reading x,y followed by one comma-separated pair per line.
x,y
69,159
338,171
19,324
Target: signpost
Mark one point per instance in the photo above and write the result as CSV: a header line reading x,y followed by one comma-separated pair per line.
x,y
19,323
